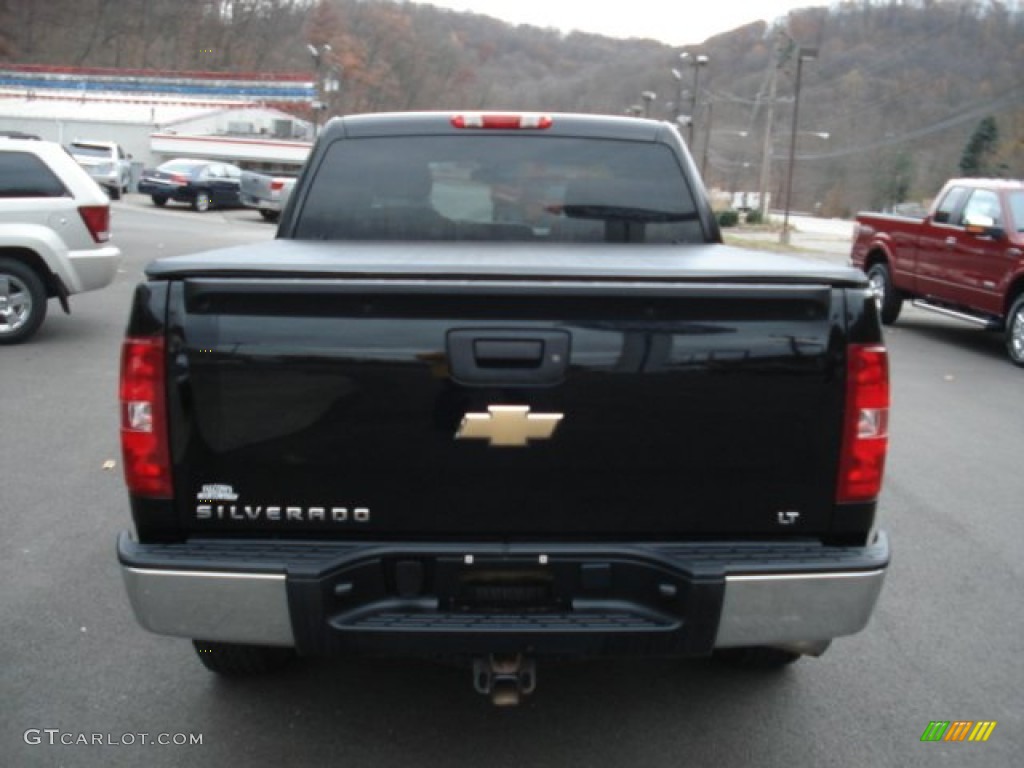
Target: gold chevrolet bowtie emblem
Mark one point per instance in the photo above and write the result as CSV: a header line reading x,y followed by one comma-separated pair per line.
x,y
508,425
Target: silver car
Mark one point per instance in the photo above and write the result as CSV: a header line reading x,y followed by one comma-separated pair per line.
x,y
107,162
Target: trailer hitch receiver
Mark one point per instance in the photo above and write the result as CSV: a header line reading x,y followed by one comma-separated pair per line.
x,y
506,678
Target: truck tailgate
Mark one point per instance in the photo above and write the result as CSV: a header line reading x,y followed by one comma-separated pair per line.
x,y
505,409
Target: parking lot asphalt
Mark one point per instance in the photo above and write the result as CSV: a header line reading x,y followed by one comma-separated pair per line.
x,y
945,643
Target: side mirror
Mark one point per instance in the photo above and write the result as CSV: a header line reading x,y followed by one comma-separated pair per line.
x,y
983,226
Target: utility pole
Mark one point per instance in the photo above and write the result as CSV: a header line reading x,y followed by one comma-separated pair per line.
x,y
802,55
766,152
784,47
707,143
698,61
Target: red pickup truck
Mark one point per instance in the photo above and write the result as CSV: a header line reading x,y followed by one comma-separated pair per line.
x,y
965,259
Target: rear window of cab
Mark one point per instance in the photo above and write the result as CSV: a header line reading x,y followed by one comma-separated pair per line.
x,y
499,188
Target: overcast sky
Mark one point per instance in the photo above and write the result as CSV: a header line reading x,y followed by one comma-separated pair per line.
x,y
676,22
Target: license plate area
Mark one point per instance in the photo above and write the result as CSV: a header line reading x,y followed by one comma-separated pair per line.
x,y
486,590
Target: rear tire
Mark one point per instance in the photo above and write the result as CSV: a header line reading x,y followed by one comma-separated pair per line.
x,y
22,302
159,200
1015,332
887,297
756,657
270,215
236,660
114,193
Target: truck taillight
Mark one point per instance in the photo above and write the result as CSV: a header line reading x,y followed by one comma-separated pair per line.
x,y
502,121
276,185
866,425
97,221
144,438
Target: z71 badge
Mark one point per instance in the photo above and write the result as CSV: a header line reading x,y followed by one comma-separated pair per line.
x,y
217,492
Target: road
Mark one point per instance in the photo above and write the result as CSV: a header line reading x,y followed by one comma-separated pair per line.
x,y
946,642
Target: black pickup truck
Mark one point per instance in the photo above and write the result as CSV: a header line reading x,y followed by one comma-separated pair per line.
x,y
497,392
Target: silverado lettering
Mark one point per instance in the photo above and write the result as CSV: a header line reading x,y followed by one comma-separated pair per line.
x,y
585,427
297,514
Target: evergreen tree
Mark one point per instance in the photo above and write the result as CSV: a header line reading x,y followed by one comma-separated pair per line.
x,y
893,185
981,149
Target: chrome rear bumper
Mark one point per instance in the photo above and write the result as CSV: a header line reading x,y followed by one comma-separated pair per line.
x,y
649,600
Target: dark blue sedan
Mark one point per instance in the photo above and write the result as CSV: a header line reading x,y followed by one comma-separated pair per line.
x,y
203,184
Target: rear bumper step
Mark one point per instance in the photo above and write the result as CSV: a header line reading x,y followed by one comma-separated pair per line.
x,y
423,598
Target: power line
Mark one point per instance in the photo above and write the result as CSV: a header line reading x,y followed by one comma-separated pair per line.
x,y
1013,97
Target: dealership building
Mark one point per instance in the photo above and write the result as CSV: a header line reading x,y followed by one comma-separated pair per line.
x,y
250,119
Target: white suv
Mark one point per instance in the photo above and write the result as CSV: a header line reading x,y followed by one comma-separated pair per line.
x,y
106,162
54,234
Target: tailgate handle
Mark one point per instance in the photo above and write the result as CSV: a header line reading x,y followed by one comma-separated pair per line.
x,y
500,357
508,353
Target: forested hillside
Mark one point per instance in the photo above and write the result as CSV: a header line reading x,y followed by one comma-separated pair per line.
x,y
899,87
